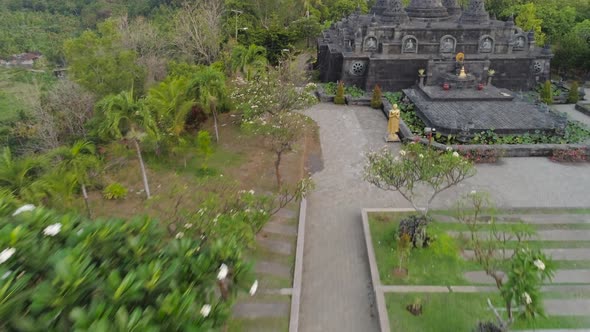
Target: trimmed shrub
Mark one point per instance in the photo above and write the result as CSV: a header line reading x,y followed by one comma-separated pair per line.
x,y
574,94
547,93
339,97
376,102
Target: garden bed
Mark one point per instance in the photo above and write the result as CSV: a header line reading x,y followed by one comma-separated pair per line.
x,y
436,273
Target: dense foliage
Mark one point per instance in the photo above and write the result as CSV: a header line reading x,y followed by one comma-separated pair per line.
x,y
64,272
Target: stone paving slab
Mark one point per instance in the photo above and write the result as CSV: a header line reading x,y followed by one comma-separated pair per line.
x,y
261,310
561,277
569,307
276,246
545,235
273,268
280,229
569,254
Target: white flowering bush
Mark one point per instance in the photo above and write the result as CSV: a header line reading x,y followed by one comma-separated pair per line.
x,y
65,273
271,95
417,170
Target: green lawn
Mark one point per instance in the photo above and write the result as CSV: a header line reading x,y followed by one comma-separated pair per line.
x,y
458,312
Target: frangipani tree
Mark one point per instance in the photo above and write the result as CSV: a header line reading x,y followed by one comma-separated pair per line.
x,y
65,272
504,254
280,133
415,168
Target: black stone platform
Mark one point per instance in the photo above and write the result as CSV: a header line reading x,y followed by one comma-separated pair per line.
x,y
489,93
469,113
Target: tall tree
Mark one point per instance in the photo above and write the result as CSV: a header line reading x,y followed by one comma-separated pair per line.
x,y
208,86
99,62
198,31
124,117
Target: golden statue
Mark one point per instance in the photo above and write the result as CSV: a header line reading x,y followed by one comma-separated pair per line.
x,y
462,74
393,124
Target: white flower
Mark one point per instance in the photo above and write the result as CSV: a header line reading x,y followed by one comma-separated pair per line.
x,y
254,288
251,191
396,159
6,254
52,230
6,275
402,153
223,270
539,264
179,235
79,232
205,310
449,148
455,154
421,155
473,192
24,208
527,298
188,225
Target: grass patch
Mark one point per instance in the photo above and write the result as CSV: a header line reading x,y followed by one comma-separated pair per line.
x,y
454,312
435,265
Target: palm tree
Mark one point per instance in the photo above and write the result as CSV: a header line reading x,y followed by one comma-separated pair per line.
x,y
208,85
79,160
249,61
124,117
18,175
170,103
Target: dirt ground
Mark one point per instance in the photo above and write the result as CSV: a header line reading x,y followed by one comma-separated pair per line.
x,y
240,162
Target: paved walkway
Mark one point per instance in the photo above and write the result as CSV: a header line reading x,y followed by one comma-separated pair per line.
x,y
336,287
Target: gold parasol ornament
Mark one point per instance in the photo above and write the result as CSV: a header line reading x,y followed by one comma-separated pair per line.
x,y
460,57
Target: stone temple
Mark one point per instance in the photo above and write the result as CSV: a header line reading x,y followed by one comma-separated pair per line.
x,y
389,46
444,59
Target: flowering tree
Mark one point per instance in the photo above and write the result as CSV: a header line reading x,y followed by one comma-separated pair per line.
x,y
416,166
280,133
270,94
527,270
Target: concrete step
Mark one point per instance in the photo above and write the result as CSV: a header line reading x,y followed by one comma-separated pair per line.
x,y
256,310
569,254
273,268
561,277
